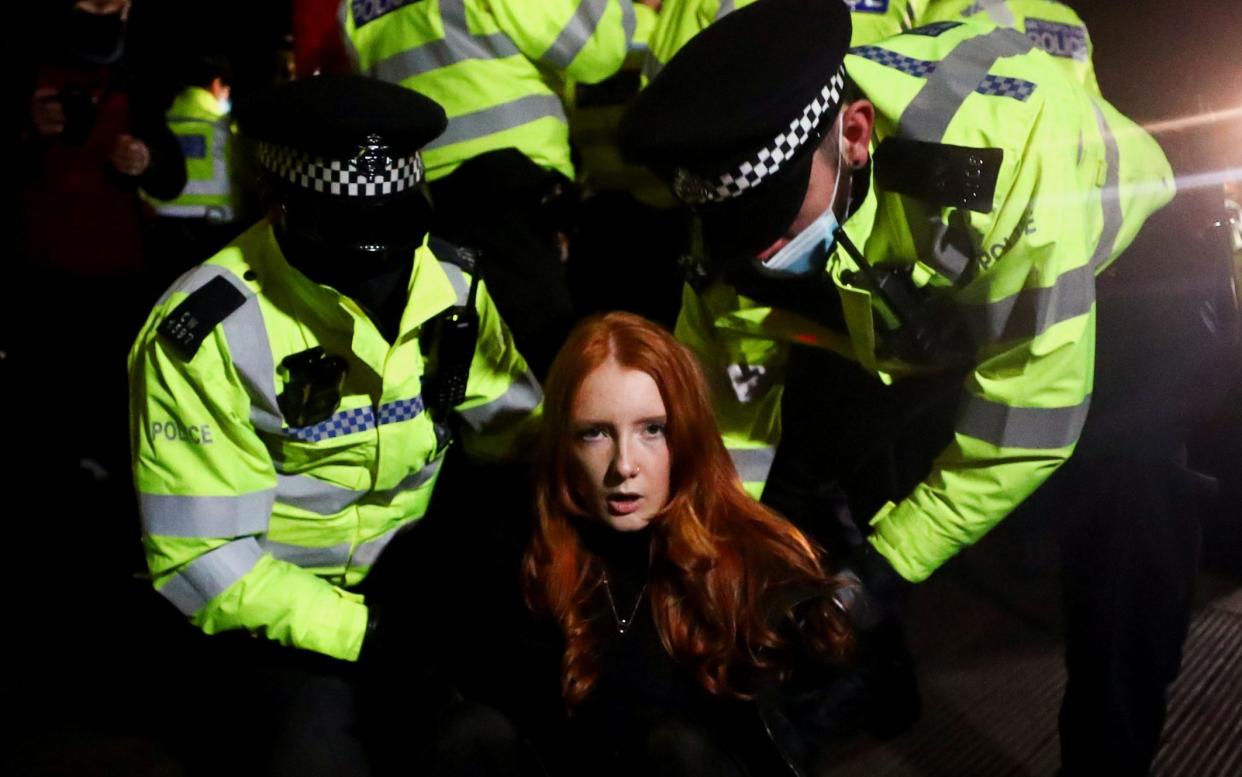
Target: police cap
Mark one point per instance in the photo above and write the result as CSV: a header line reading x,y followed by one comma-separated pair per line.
x,y
734,118
346,136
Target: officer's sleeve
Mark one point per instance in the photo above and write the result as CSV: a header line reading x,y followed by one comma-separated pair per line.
x,y
744,377
503,397
207,485
587,40
1032,311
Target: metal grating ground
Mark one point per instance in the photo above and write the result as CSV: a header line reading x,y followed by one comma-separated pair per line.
x,y
991,701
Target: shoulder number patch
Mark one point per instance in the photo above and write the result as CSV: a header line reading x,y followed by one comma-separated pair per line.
x,y
185,328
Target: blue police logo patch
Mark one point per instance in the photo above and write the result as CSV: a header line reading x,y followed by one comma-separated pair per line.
x,y
934,30
367,11
1059,40
193,146
868,6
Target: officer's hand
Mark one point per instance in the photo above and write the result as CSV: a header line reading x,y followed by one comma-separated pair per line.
x,y
130,156
47,113
876,590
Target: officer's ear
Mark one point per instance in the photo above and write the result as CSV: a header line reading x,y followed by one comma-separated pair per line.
x,y
857,123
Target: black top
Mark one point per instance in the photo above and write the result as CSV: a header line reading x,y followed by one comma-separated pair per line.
x,y
640,685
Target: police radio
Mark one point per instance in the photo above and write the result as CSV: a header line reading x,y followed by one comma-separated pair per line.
x,y
454,335
920,331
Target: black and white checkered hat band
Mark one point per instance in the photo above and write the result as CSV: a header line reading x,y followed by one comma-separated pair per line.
x,y
339,176
695,190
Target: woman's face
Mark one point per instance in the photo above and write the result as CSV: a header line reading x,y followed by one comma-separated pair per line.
x,y
617,424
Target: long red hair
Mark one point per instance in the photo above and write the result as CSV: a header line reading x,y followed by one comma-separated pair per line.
x,y
717,555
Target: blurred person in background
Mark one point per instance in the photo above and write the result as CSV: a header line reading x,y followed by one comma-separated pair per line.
x,y
90,146
209,211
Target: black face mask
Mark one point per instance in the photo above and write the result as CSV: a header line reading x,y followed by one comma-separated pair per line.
x,y
344,244
94,39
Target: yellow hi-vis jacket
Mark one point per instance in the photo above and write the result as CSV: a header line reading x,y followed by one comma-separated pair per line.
x,y
251,524
1052,26
595,111
202,128
488,63
681,20
1075,183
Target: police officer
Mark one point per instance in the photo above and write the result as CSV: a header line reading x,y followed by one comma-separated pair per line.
x,y
292,401
501,175
934,208
205,215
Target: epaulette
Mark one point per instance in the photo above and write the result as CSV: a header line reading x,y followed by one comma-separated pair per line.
x,y
939,174
185,328
459,256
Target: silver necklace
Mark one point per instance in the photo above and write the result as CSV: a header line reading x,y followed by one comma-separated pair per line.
x,y
623,624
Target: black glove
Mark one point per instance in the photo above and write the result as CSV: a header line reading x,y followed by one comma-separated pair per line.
x,y
892,702
876,590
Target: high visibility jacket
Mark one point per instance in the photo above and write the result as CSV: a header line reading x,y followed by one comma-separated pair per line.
x,y
1053,26
595,111
487,62
202,128
249,523
1066,203
681,20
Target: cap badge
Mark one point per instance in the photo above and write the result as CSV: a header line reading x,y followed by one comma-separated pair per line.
x,y
689,188
373,158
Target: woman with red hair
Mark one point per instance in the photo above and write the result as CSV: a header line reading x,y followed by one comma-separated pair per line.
x,y
684,607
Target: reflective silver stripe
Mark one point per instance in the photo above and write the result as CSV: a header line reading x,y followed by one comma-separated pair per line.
x,y
955,77
1110,196
577,32
207,517
998,12
726,7
1036,428
251,352
489,121
652,66
752,464
211,574
457,45
368,552
182,211
946,249
211,186
302,556
322,498
520,398
629,23
246,335
457,277
314,495
1031,312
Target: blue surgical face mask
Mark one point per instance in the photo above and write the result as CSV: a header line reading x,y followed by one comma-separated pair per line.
x,y
807,253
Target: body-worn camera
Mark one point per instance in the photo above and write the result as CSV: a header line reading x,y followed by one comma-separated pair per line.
x,y
313,386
